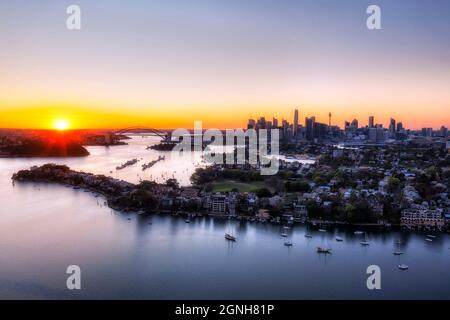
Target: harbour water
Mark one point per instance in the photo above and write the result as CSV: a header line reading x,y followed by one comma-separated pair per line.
x,y
45,228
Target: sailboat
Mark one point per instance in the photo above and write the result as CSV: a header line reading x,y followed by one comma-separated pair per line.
x,y
307,234
230,237
323,250
365,242
288,243
398,252
403,267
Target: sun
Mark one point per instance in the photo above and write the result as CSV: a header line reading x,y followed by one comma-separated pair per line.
x,y
61,124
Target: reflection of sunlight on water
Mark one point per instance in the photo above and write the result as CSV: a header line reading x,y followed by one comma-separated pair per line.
x,y
104,160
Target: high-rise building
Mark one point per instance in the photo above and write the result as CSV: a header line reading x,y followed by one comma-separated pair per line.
x,y
309,128
377,134
399,127
329,119
371,121
427,132
275,122
295,122
251,124
392,128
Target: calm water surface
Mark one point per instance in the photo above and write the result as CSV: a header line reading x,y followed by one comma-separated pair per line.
x,y
45,228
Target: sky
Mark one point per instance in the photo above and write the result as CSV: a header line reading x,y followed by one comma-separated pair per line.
x,y
167,63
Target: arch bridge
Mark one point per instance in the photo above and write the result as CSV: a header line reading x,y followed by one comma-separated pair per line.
x,y
146,130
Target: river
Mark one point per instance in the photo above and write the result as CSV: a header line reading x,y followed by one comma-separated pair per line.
x,y
45,228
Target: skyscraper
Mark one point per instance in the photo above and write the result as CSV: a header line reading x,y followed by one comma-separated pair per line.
x,y
295,122
371,122
309,127
392,128
275,122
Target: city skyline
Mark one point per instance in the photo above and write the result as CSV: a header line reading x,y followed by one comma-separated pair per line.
x,y
221,63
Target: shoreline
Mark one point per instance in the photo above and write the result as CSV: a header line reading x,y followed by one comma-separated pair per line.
x,y
119,194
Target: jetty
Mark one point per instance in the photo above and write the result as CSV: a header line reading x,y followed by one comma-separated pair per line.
x,y
127,164
146,166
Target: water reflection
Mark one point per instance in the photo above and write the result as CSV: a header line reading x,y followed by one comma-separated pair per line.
x,y
44,228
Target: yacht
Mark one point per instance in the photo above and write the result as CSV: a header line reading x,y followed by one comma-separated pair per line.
x,y
429,240
403,267
323,250
365,242
358,232
283,234
322,230
308,236
431,236
230,237
339,239
398,252
288,244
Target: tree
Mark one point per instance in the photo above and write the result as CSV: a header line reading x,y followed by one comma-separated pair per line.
x,y
263,193
393,184
172,183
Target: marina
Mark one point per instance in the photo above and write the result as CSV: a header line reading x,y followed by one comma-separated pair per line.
x,y
152,247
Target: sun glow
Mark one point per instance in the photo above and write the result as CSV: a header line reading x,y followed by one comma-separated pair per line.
x,y
61,124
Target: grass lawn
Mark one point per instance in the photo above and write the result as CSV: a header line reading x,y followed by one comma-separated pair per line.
x,y
228,185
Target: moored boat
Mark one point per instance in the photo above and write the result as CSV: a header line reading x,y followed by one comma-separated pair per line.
x,y
230,237
323,250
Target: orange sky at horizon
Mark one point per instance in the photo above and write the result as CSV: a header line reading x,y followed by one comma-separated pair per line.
x,y
44,117
162,65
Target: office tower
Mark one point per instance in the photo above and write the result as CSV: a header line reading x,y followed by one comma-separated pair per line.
x,y
371,121
275,122
372,134
399,127
261,123
295,122
427,132
444,132
309,128
392,128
